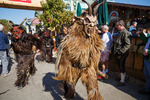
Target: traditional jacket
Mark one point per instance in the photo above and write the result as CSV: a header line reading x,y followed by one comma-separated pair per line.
x,y
122,43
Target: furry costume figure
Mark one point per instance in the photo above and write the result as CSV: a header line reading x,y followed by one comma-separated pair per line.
x,y
47,46
22,44
26,68
79,55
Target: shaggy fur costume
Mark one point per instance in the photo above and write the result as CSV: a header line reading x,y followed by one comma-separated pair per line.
x,y
25,68
79,56
47,46
22,44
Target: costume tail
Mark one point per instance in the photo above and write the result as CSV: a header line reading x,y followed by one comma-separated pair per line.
x,y
60,49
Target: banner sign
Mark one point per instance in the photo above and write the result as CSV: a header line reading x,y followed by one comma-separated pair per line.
x,y
25,1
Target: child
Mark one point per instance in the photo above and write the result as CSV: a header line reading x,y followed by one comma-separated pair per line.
x,y
107,38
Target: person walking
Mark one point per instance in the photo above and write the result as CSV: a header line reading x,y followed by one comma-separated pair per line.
x,y
107,38
121,49
3,47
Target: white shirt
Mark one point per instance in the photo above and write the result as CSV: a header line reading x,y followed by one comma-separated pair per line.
x,y
107,38
145,34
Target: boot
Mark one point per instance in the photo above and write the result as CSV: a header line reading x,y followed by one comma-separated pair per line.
x,y
122,81
123,77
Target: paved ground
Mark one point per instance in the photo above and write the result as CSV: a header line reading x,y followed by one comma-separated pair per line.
x,y
42,87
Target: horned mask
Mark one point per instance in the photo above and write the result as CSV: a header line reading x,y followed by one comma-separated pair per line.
x,y
17,30
89,20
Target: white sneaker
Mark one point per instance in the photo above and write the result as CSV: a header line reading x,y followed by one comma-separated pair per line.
x,y
7,74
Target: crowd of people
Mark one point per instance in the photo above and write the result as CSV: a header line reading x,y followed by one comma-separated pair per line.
x,y
120,49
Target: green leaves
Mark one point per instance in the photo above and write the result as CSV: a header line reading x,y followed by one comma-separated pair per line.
x,y
54,14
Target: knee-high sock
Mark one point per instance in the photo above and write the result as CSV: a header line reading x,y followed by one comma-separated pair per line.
x,y
123,77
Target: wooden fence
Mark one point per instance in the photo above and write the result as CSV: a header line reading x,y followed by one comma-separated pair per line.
x,y
135,62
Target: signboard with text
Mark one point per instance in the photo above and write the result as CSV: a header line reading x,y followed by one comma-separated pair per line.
x,y
22,4
25,1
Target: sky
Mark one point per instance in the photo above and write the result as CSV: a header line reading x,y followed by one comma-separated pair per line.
x,y
137,2
17,16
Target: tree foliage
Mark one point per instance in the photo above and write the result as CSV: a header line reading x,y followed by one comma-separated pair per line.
x,y
55,14
4,22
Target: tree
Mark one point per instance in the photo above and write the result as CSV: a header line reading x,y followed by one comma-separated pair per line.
x,y
4,22
55,14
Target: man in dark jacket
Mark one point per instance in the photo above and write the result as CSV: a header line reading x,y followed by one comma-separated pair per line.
x,y
121,49
3,46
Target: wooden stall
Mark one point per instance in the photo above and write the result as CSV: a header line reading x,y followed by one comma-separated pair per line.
x,y
130,13
135,62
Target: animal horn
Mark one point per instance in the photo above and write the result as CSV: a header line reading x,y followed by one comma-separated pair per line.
x,y
10,24
78,18
22,22
89,6
97,6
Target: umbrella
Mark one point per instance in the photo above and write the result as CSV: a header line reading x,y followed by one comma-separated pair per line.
x,y
103,14
79,10
35,21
